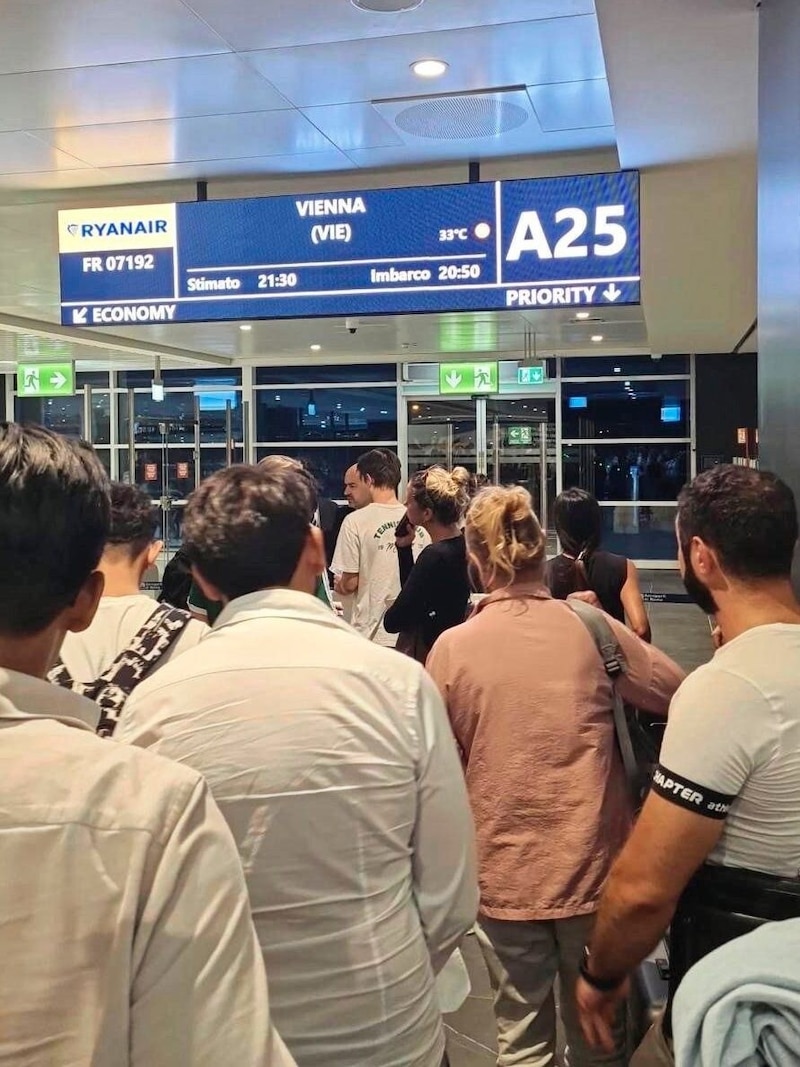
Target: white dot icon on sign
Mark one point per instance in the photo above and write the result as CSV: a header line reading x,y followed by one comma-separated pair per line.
x,y
483,230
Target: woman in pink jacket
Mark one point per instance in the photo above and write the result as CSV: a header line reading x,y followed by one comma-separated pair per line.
x,y
531,707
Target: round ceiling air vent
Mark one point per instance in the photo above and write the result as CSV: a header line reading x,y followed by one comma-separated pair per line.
x,y
387,6
449,118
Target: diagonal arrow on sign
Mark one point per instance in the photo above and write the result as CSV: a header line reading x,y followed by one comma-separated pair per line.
x,y
612,293
453,379
79,316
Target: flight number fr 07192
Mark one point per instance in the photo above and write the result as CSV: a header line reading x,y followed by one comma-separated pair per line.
x,y
115,264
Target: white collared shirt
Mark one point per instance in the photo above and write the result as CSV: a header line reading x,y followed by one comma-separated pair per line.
x,y
333,762
125,935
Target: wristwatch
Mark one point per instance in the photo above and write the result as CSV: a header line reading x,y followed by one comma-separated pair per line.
x,y
602,985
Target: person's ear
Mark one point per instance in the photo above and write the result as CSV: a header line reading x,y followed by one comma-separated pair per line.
x,y
80,615
208,589
153,552
313,555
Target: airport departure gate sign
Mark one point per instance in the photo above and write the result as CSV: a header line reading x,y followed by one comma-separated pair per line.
x,y
45,379
523,244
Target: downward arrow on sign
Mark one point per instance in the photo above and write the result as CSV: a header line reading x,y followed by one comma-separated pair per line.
x,y
612,293
453,379
79,316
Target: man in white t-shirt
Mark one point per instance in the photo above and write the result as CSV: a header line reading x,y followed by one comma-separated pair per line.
x,y
124,609
365,561
727,788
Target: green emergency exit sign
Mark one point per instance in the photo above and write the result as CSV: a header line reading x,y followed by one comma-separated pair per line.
x,y
520,435
45,379
468,378
530,375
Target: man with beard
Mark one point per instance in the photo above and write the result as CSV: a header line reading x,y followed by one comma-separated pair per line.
x,y
727,790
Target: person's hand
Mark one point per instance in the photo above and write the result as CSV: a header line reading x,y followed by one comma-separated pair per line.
x,y
406,540
588,596
598,1011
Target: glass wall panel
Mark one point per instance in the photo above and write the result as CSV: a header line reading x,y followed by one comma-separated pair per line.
x,y
603,366
176,412
62,414
627,408
627,471
336,374
98,379
327,464
640,532
150,468
223,378
326,414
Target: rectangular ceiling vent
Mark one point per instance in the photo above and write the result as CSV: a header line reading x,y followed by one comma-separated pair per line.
x,y
458,116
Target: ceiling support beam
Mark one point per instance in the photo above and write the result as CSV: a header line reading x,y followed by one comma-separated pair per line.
x,y
128,346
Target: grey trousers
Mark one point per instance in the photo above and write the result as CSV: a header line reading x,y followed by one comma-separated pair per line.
x,y
523,959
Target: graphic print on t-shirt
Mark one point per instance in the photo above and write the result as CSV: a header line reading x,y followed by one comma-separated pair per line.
x,y
366,547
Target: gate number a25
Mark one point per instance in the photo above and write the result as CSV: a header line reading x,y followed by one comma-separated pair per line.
x,y
610,237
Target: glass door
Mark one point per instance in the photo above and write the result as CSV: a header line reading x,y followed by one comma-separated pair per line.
x,y
443,432
521,449
512,442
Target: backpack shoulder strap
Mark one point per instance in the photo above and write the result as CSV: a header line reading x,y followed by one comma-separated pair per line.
x,y
59,675
602,635
149,644
614,664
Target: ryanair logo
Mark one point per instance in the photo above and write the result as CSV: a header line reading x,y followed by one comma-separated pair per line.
x,y
117,229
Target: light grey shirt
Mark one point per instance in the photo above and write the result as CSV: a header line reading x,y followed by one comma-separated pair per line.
x,y
333,762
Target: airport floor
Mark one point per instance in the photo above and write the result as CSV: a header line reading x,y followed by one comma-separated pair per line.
x,y
682,631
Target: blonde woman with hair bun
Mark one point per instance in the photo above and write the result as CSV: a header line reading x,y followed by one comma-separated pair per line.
x,y
531,707
435,590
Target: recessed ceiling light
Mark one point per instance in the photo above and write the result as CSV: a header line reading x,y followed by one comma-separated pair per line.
x,y
618,370
582,315
245,327
429,68
316,348
387,7
597,338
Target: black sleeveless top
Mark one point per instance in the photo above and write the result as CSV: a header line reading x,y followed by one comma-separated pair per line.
x,y
606,574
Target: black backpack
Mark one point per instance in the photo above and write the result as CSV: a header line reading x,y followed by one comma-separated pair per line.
x,y
111,690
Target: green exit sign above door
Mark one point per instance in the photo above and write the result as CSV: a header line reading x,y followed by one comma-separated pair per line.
x,y
45,379
467,379
530,375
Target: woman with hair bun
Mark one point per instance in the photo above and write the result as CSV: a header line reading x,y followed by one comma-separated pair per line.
x,y
435,590
531,707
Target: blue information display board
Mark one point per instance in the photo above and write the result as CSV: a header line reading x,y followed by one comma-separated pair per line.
x,y
531,243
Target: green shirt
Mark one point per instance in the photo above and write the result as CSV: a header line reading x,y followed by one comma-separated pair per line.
x,y
212,608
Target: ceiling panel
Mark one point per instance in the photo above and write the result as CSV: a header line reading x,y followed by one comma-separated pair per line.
x,y
223,137
526,141
51,34
302,22
131,92
20,152
523,53
572,105
255,167
353,126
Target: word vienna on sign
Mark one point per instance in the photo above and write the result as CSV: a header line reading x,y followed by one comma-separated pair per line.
x,y
539,242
